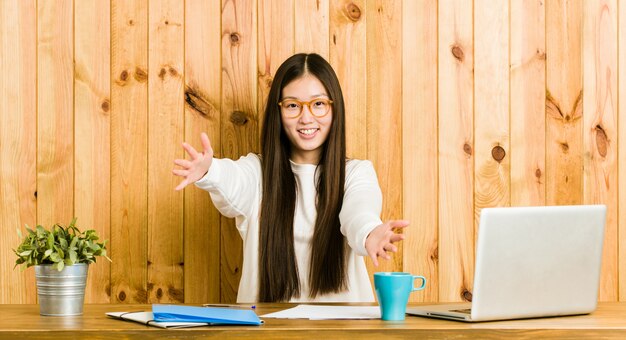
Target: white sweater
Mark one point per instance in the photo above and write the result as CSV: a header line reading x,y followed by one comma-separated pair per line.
x,y
235,188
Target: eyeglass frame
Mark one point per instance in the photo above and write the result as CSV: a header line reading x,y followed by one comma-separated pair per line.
x,y
307,104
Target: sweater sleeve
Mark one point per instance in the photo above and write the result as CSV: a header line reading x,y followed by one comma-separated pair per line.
x,y
234,185
362,204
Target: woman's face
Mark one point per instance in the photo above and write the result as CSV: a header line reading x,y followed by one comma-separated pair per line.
x,y
307,129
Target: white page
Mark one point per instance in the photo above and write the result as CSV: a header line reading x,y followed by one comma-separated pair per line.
x,y
147,318
317,312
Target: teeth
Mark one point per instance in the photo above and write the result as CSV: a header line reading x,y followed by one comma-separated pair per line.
x,y
308,131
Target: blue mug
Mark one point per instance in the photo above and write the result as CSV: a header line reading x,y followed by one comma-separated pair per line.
x,y
393,290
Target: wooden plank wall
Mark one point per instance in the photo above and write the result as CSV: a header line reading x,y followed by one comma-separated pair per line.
x,y
459,104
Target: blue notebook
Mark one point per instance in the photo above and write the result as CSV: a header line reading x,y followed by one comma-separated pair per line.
x,y
213,315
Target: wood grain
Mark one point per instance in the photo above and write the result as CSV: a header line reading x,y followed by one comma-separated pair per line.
x,y
621,149
384,111
410,109
239,136
456,150
419,143
18,128
527,106
55,108
312,27
202,114
600,127
92,107
129,148
348,56
491,106
276,18
165,131
23,322
564,162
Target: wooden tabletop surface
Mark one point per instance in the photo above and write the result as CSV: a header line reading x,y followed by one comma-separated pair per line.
x,y
24,321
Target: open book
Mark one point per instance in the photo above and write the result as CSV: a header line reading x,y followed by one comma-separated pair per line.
x,y
147,318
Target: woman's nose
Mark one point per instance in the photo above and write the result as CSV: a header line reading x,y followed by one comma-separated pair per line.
x,y
306,116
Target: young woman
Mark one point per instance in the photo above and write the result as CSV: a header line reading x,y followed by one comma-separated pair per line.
x,y
306,214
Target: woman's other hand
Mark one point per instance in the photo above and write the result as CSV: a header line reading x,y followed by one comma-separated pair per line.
x,y
381,240
194,169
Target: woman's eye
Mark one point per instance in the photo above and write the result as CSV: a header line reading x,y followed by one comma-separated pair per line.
x,y
319,103
292,106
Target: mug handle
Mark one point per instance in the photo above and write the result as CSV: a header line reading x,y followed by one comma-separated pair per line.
x,y
423,282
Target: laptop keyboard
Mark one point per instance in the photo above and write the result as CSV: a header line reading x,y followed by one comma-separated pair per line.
x,y
466,310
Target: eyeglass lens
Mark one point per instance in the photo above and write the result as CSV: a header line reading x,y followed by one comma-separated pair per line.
x,y
293,107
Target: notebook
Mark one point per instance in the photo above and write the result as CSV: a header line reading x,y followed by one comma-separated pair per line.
x,y
532,262
180,316
222,316
147,318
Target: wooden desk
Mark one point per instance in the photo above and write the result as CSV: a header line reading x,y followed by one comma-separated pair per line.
x,y
24,322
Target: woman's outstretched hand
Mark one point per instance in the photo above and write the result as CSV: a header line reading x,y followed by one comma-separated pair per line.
x,y
194,169
381,239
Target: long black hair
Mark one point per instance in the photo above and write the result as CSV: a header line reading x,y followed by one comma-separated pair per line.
x,y
278,271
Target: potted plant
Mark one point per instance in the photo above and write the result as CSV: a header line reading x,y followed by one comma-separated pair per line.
x,y
61,256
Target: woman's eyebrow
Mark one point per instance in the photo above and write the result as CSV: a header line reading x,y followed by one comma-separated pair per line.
x,y
311,97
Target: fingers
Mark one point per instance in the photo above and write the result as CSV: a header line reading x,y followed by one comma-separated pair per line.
x,y
191,151
390,247
181,173
374,258
182,162
206,143
398,224
396,238
182,185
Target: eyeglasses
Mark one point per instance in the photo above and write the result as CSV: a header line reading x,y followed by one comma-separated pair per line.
x,y
292,108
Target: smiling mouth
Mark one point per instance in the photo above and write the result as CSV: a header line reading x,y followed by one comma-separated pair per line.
x,y
307,132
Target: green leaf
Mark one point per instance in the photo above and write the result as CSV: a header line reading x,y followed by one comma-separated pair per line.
x,y
54,257
63,243
60,246
47,254
74,242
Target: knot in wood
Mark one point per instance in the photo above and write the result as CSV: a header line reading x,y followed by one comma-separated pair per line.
x,y
353,12
106,105
124,76
234,38
602,141
121,296
162,73
457,52
196,101
467,149
541,55
467,295
159,293
538,173
498,153
176,294
140,75
173,72
238,118
434,255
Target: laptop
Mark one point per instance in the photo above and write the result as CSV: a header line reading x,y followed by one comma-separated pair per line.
x,y
532,262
